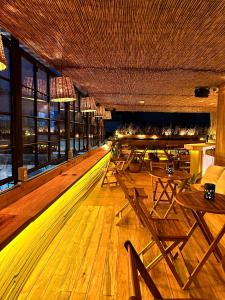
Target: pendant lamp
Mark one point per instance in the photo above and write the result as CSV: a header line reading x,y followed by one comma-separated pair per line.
x,y
87,104
107,115
2,55
62,89
100,112
28,86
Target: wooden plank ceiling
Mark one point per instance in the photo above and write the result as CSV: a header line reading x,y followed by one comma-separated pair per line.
x,y
122,52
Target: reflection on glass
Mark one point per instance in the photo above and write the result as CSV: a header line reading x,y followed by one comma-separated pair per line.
x,y
62,130
54,130
54,111
42,109
42,129
54,150
72,116
72,144
6,72
62,147
5,122
27,73
28,106
5,98
29,156
5,164
28,130
77,117
42,153
42,81
72,130
62,111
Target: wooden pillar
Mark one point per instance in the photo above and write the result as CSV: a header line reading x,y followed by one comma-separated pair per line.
x,y
220,131
213,123
17,107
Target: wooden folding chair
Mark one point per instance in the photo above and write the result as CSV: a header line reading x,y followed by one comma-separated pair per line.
x,y
129,193
114,166
167,234
223,263
140,156
135,266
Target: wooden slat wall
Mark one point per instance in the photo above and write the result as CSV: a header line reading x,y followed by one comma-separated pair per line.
x,y
142,50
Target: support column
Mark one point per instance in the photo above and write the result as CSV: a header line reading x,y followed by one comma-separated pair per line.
x,y
17,107
220,131
213,124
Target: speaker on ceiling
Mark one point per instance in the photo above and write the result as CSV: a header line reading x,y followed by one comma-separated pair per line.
x,y
202,92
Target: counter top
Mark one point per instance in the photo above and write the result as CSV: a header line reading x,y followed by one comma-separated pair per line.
x,y
200,146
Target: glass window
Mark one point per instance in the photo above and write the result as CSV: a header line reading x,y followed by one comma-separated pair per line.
x,y
29,156
54,130
72,144
54,111
42,130
54,150
28,130
42,108
42,81
27,73
62,129
28,105
5,124
5,163
62,111
72,130
42,153
5,97
62,147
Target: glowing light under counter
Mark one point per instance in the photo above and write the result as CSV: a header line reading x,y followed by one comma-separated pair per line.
x,y
22,254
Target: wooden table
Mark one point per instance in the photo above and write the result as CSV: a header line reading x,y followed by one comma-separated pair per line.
x,y
169,184
199,206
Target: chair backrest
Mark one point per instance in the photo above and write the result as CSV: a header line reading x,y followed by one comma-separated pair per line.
x,y
122,185
135,265
128,161
138,206
144,215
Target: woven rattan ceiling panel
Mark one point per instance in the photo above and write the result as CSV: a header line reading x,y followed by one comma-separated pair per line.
x,y
126,51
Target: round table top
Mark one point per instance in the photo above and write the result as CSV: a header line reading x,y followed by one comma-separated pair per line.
x,y
177,175
195,201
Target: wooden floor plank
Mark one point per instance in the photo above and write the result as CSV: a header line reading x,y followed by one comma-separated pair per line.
x,y
87,259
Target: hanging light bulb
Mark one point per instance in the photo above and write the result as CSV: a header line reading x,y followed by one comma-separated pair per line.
x,y
87,104
62,89
2,55
100,112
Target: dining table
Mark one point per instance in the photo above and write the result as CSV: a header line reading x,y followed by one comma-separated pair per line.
x,y
199,206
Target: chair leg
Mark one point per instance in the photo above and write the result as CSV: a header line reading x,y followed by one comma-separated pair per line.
x,y
122,209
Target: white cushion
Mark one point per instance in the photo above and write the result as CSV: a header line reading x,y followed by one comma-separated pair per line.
x,y
212,174
220,185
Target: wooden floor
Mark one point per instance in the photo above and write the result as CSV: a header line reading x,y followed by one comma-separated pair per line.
x,y
87,259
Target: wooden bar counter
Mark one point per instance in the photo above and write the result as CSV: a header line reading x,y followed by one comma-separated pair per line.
x,y
28,201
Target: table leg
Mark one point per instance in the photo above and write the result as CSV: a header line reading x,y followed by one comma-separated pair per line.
x,y
164,187
211,248
207,233
173,190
